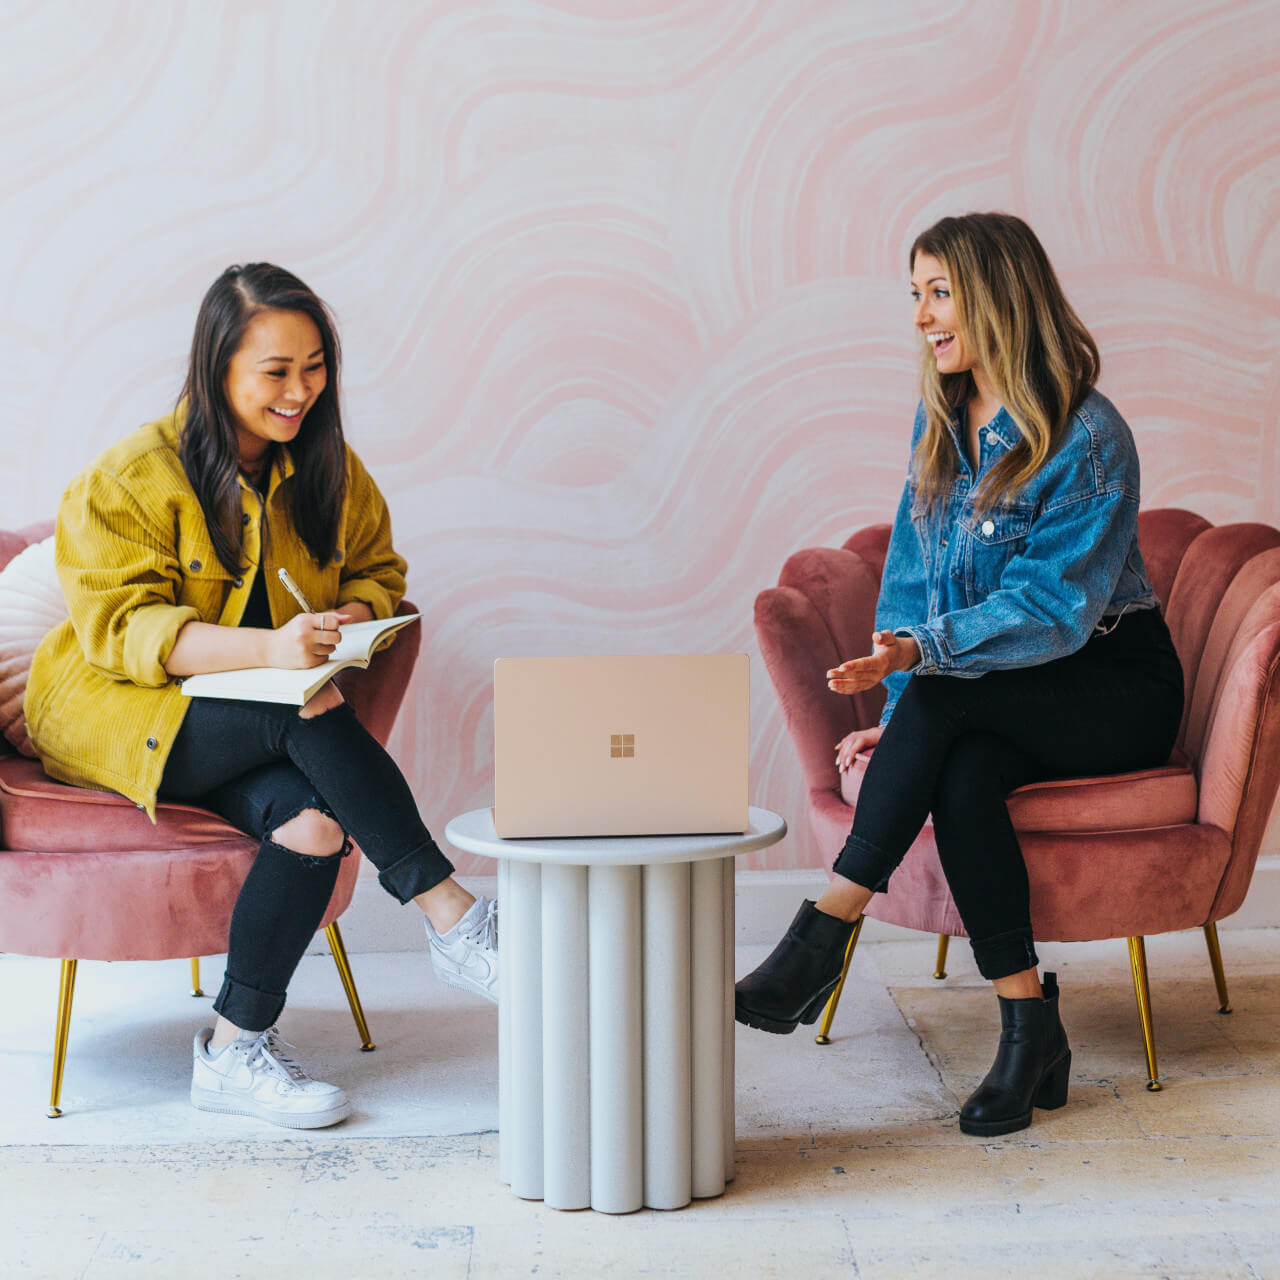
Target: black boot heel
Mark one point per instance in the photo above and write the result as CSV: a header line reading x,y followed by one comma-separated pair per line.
x,y
793,984
1052,1092
819,1002
1032,1067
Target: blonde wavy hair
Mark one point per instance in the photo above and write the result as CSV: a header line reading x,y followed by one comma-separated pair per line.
x,y
1040,358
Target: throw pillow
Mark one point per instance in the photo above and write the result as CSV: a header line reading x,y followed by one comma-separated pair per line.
x,y
31,605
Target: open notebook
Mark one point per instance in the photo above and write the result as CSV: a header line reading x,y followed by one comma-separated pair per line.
x,y
296,686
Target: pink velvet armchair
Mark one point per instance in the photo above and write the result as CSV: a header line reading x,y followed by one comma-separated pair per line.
x,y
85,875
1108,857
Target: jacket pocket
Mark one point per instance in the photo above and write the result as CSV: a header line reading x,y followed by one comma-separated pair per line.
x,y
204,584
992,539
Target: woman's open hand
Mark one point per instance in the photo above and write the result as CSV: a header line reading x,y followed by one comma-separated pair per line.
x,y
851,744
889,653
306,640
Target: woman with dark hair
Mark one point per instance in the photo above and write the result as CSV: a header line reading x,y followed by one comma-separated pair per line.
x,y
1017,634
168,548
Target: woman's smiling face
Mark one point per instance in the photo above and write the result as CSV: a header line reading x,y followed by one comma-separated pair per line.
x,y
935,315
275,376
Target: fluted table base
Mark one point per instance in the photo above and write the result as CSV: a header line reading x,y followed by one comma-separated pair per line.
x,y
616,1033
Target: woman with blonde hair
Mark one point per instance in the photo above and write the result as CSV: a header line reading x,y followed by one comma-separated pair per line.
x,y
1017,634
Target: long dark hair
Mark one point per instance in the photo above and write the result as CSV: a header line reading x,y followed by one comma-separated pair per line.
x,y
1039,356
208,448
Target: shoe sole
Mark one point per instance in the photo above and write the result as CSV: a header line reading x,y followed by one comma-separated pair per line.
x,y
761,1022
994,1128
210,1100
452,979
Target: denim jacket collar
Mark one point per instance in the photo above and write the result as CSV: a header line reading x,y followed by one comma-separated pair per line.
x,y
994,438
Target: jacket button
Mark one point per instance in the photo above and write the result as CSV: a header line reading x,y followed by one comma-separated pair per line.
x,y
337,557
152,744
239,582
195,566
988,527
244,519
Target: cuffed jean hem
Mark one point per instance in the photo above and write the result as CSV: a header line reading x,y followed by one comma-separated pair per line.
x,y
1004,953
864,864
416,872
246,1007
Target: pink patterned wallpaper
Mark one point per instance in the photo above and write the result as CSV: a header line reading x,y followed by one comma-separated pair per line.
x,y
622,283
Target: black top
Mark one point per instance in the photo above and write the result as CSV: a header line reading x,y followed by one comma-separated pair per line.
x,y
257,613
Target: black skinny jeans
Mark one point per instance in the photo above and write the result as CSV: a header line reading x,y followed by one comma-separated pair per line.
x,y
259,764
956,748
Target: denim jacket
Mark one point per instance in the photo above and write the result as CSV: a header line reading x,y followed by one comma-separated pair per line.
x,y
1026,582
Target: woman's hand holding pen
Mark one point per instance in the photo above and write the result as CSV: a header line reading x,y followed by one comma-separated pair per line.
x,y
306,640
889,653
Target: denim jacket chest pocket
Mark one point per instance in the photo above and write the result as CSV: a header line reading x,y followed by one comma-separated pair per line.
x,y
989,541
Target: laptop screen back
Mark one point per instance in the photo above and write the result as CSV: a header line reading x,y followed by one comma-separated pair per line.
x,y
604,746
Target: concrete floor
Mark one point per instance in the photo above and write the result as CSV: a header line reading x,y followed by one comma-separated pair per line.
x,y
849,1159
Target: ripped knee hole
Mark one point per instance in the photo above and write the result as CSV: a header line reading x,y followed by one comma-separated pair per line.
x,y
324,699
319,835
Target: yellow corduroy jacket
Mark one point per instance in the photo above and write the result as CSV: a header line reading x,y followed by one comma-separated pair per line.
x,y
136,563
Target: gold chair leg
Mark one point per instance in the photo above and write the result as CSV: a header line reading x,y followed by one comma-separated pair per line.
x,y
1138,963
195,976
1215,962
830,1012
336,945
66,989
940,969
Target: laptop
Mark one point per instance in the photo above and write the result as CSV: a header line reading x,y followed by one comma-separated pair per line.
x,y
621,746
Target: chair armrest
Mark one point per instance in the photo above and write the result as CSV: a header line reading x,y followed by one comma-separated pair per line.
x,y
1240,765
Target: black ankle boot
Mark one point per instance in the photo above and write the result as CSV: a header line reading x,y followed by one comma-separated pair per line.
x,y
793,984
1032,1067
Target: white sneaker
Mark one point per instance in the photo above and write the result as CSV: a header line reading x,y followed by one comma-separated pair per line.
x,y
466,956
258,1078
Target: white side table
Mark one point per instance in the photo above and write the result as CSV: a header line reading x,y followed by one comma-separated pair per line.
x,y
615,1018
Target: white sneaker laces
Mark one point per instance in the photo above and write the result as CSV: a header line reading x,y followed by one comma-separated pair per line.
x,y
271,1049
484,931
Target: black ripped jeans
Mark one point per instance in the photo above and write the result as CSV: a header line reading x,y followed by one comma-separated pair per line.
x,y
259,764
955,748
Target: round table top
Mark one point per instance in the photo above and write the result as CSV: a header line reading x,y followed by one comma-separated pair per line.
x,y
474,833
